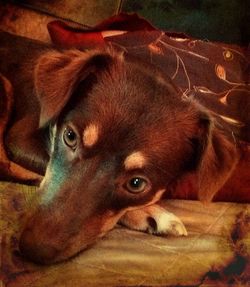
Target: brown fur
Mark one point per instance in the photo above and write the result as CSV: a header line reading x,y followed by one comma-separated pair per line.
x,y
136,107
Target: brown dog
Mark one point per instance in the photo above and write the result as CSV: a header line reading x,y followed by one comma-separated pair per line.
x,y
111,135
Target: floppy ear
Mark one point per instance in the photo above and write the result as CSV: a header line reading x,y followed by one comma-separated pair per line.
x,y
218,157
57,75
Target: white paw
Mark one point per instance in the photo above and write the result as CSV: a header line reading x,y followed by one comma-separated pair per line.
x,y
154,219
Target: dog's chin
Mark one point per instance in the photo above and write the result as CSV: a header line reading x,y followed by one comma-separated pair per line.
x,y
42,254
46,254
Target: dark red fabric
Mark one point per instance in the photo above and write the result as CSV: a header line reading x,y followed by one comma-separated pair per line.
x,y
216,74
63,35
127,22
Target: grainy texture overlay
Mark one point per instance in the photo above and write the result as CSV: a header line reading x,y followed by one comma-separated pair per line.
x,y
216,250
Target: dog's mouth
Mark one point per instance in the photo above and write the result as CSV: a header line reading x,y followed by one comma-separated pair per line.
x,y
47,253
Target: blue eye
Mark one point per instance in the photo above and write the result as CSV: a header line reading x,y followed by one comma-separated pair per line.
x,y
136,184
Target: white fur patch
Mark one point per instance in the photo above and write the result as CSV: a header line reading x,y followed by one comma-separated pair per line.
x,y
90,135
168,223
135,160
154,219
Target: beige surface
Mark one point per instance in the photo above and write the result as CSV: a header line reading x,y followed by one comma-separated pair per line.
x,y
24,22
31,20
217,247
82,11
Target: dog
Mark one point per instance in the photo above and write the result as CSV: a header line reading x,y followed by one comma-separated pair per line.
x,y
106,136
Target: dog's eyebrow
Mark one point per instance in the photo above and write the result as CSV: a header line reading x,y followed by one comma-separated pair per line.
x,y
135,160
90,135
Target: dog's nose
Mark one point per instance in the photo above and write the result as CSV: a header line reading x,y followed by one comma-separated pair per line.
x,y
37,252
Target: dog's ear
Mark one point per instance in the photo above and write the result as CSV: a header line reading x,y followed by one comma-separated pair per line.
x,y
217,157
57,75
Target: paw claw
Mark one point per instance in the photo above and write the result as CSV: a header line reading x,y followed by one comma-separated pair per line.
x,y
177,228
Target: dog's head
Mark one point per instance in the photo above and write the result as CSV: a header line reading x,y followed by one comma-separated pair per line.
x,y
120,135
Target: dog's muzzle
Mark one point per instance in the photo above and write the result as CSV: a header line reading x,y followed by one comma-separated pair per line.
x,y
37,252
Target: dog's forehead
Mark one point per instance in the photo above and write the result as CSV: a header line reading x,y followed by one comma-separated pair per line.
x,y
126,99
116,126
128,109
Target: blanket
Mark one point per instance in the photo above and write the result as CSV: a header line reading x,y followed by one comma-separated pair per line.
x,y
215,253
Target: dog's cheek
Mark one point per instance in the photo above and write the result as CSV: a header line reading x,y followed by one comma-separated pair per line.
x,y
52,139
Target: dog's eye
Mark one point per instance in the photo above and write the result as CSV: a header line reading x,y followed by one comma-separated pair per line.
x,y
70,137
137,184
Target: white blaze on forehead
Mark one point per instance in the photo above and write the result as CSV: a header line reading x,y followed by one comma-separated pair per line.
x,y
135,160
90,135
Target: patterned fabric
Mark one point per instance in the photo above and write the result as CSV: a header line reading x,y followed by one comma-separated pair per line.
x,y
216,74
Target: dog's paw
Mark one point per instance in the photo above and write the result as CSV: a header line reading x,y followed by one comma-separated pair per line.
x,y
154,219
